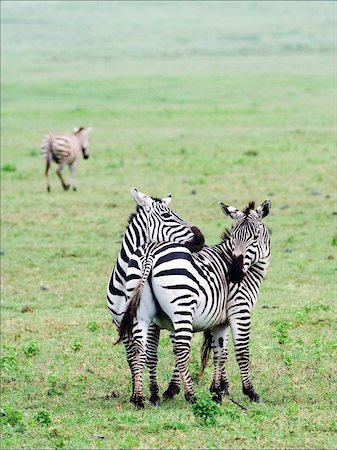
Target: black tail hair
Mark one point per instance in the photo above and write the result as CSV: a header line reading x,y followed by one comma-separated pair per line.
x,y
126,326
205,351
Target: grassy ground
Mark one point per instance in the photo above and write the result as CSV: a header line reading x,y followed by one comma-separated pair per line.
x,y
212,102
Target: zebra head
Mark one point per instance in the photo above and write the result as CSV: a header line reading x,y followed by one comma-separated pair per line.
x,y
163,224
249,238
83,136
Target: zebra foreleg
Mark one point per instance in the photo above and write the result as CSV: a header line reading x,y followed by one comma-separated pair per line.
x,y
59,174
219,386
174,385
72,169
152,362
240,327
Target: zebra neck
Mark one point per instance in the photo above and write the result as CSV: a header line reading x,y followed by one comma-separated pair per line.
x,y
134,237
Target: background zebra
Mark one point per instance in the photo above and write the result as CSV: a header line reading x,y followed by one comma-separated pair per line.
x,y
192,294
153,221
65,149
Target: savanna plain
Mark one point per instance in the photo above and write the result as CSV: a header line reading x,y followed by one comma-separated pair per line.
x,y
211,101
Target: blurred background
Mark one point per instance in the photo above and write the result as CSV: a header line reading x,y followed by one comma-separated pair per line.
x,y
211,101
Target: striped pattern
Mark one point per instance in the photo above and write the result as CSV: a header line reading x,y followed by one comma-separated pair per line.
x,y
65,149
153,221
210,290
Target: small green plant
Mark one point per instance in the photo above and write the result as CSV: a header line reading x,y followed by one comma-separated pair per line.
x,y
9,363
33,152
205,410
334,240
76,345
12,419
8,168
43,417
281,332
93,326
31,348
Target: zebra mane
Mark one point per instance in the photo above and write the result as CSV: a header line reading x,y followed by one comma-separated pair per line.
x,y
225,235
251,205
132,215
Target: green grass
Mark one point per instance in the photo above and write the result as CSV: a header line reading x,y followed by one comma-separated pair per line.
x,y
224,101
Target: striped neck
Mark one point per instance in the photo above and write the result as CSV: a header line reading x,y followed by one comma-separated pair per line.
x,y
135,235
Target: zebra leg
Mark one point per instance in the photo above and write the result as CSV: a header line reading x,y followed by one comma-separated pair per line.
x,y
174,385
139,359
219,384
130,357
182,345
72,169
152,362
240,326
48,173
59,174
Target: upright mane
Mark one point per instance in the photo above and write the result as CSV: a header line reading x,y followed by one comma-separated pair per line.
x,y
225,235
251,205
132,215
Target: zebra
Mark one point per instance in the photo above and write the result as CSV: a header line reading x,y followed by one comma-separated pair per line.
x,y
153,221
209,290
65,149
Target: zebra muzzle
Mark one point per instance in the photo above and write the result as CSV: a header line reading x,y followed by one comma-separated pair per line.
x,y
236,272
197,242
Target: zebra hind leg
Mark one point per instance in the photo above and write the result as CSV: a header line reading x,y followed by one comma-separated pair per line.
x,y
181,350
152,362
174,385
138,344
59,174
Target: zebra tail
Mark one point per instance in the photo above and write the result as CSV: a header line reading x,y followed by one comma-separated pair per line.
x,y
46,151
126,326
205,351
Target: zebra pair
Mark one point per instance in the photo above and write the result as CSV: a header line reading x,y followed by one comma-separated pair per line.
x,y
211,290
153,221
65,149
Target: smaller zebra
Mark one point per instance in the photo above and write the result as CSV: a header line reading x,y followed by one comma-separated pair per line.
x,y
65,149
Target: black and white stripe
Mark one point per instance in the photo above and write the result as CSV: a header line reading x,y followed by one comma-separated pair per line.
x,y
210,290
153,221
65,149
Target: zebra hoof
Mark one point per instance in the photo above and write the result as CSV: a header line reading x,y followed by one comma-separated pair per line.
x,y
48,189
154,400
217,398
190,398
138,402
171,391
253,396
74,189
66,187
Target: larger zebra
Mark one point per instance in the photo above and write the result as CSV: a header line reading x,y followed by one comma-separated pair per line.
x,y
209,290
65,149
153,221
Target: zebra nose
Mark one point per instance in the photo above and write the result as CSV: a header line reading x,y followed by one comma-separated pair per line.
x,y
235,271
197,242
86,156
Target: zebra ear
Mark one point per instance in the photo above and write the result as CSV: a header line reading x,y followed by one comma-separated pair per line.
x,y
76,130
167,200
140,198
233,213
264,209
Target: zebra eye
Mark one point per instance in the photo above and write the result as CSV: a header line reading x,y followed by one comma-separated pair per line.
x,y
166,215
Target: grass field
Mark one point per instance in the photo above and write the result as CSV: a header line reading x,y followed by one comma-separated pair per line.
x,y
223,101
